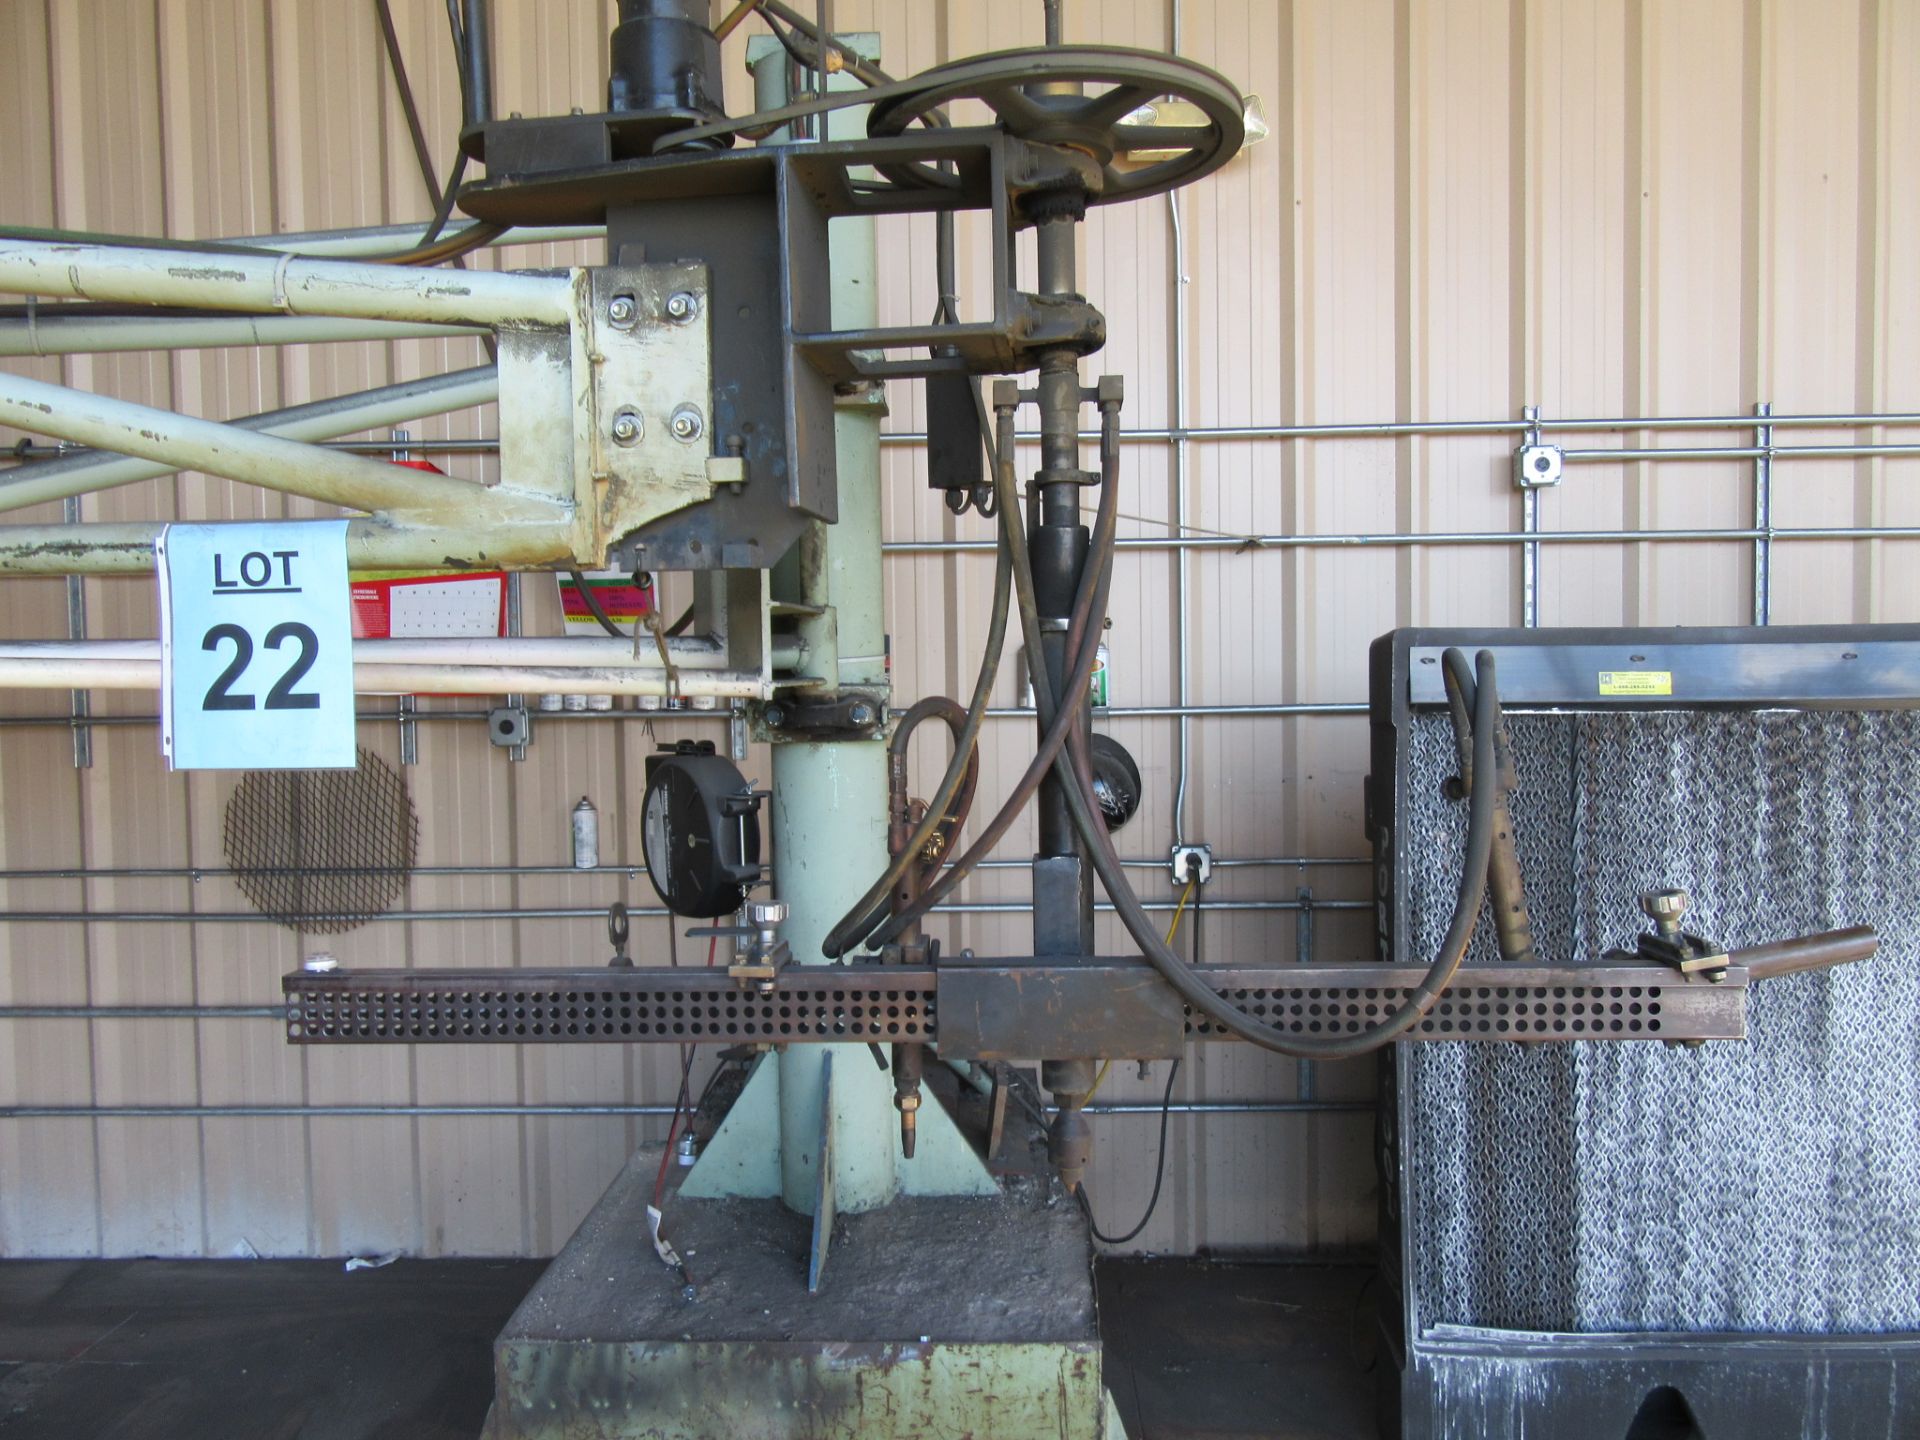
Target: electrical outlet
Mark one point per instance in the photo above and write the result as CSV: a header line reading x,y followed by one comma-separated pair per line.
x,y
1191,861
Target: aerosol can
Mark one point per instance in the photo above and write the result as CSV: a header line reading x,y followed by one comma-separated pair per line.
x,y
586,835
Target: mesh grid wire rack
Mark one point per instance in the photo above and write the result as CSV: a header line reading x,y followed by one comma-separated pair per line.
x,y
1613,1202
322,851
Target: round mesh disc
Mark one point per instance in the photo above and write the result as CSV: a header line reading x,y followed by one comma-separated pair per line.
x,y
322,851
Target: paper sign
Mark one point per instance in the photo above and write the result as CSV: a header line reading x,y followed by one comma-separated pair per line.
x,y
256,646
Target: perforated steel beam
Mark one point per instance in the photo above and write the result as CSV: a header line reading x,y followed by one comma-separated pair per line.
x,y
1630,1000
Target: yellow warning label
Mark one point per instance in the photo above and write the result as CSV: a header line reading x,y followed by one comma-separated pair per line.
x,y
1636,682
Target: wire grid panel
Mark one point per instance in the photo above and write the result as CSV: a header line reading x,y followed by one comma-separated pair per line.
x,y
322,851
1767,1186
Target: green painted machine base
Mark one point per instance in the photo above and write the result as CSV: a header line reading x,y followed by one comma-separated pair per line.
x,y
938,1317
743,1159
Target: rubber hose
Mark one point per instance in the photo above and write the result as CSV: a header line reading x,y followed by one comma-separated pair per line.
x,y
939,707
1191,988
1097,578
1203,998
872,906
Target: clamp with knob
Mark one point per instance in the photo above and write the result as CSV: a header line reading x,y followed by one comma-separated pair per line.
x,y
760,967
1671,945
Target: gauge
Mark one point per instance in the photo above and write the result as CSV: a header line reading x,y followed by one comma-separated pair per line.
x,y
1116,781
700,830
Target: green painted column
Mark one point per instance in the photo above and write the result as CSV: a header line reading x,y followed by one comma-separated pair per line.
x,y
828,813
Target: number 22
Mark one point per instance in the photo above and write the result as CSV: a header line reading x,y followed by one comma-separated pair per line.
x,y
282,696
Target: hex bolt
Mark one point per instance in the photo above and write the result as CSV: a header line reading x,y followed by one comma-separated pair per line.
x,y
682,306
860,713
1666,908
621,310
774,716
687,423
627,427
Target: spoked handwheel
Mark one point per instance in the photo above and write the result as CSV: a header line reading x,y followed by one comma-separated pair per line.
x,y
1016,86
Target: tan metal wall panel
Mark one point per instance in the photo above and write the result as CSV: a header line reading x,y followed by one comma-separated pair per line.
x,y
1595,207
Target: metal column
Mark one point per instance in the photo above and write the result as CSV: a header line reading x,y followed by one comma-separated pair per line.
x,y
829,825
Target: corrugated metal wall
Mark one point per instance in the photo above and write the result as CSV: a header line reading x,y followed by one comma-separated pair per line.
x,y
1598,208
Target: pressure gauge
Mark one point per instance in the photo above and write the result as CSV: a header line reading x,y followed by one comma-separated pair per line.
x,y
1116,781
700,828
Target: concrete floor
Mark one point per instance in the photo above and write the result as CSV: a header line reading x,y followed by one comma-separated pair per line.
x,y
1223,1351
159,1349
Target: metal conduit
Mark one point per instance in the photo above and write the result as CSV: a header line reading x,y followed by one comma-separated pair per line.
x,y
579,912
1361,431
412,717
197,873
1359,541
318,1112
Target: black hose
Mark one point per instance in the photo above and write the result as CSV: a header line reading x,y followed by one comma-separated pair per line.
x,y
1203,998
1159,1172
871,908
598,610
1200,996
1096,579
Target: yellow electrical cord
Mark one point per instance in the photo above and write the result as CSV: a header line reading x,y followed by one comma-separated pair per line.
x,y
1172,930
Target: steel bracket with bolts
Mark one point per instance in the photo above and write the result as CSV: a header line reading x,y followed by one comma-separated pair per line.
x,y
638,357
849,715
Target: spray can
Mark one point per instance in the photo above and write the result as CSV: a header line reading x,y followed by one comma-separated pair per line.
x,y
586,835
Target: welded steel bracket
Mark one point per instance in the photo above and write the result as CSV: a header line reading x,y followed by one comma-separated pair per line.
x,y
616,409
994,1011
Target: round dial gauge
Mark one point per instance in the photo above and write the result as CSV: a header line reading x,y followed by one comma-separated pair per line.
x,y
700,829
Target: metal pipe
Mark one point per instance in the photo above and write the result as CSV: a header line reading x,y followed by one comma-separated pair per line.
x,y
80,702
306,1112
1235,1108
583,651
198,873
1763,519
340,415
1177,484
126,547
1806,952
389,717
311,1112
1224,433
573,912
290,285
476,58
1389,430
1530,526
189,443
1741,452
369,678
1166,712
1394,429
1361,541
51,333
143,1012
387,239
